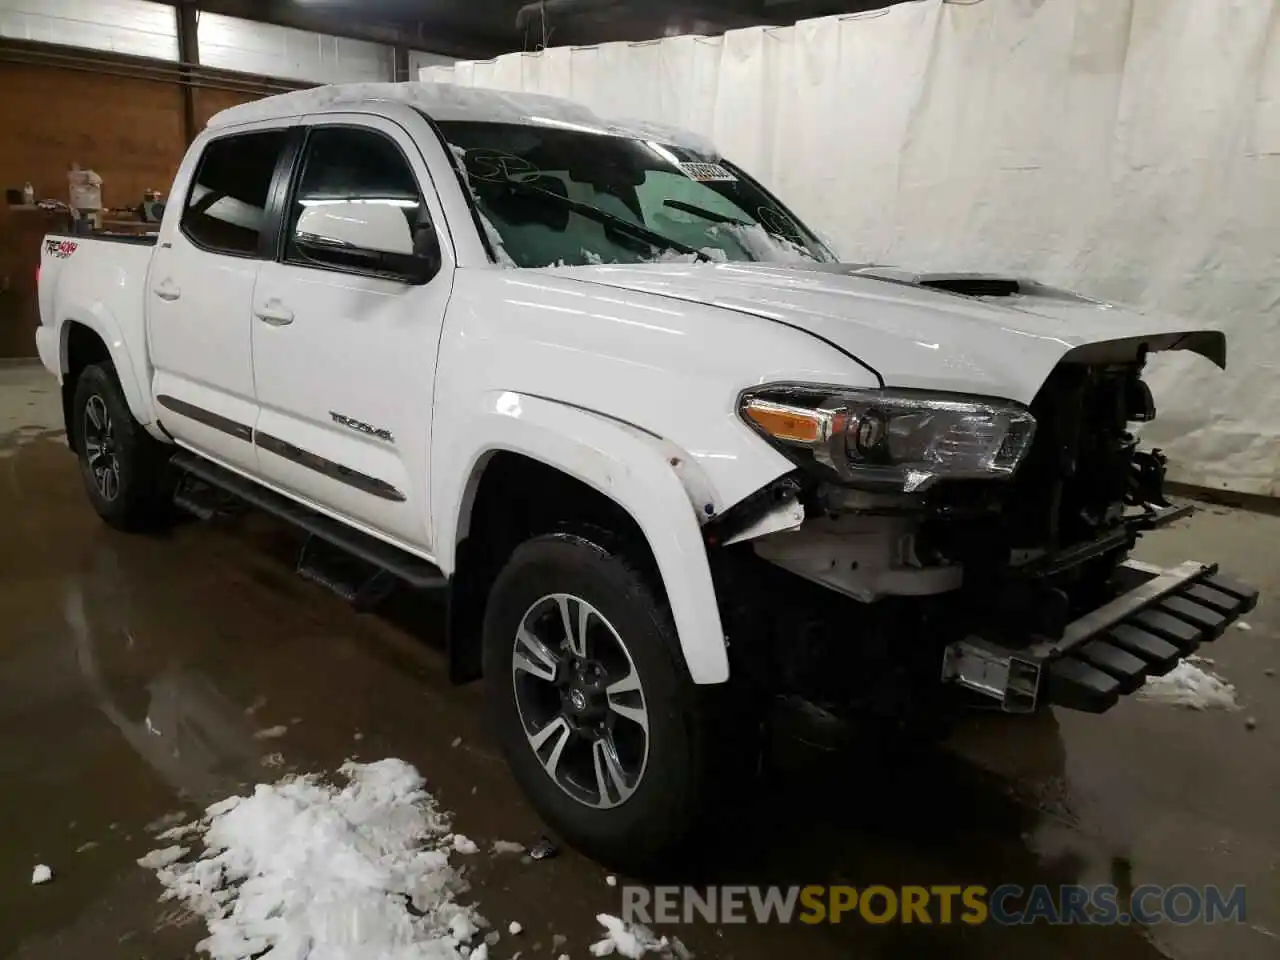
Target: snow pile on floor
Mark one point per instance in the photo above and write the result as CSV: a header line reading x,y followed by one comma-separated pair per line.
x,y
629,940
305,869
1187,685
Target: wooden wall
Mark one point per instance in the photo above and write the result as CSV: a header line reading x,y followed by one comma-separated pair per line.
x,y
127,129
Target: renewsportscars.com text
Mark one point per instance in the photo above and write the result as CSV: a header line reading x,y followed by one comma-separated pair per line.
x,y
1007,905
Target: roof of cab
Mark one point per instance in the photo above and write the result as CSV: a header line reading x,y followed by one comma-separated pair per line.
x,y
448,101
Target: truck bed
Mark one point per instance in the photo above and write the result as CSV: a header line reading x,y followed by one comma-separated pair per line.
x,y
106,269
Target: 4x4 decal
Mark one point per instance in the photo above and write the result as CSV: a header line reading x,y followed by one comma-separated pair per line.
x,y
61,248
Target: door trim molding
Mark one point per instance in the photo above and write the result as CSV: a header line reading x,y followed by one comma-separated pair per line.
x,y
206,417
282,448
334,471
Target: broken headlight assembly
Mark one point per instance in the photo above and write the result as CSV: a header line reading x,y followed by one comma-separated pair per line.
x,y
901,440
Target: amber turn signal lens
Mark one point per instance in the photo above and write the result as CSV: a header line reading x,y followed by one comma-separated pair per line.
x,y
788,424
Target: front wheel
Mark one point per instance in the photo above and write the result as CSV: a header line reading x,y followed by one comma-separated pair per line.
x,y
125,469
591,703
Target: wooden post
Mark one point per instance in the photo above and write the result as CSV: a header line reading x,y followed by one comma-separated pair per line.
x,y
188,57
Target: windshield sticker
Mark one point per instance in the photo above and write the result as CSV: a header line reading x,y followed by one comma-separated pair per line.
x,y
493,166
707,173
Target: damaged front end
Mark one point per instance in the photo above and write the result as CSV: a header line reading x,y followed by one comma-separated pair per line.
x,y
996,561
1157,617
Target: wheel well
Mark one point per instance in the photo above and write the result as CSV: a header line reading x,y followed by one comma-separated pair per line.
x,y
83,348
518,498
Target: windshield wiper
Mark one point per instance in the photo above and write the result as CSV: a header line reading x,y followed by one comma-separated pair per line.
x,y
704,213
604,217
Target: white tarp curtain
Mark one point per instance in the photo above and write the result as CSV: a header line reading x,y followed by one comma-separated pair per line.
x,y
1128,149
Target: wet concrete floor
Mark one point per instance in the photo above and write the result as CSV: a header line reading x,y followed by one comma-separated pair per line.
x,y
135,673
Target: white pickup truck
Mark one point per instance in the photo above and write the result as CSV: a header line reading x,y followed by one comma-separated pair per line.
x,y
670,460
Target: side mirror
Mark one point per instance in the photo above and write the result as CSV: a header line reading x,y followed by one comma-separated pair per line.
x,y
369,236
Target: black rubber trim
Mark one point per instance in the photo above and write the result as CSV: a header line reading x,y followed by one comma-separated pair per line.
x,y
1210,621
1160,655
208,418
334,471
1078,686
1124,666
282,448
1247,594
106,236
1214,599
1178,632
288,169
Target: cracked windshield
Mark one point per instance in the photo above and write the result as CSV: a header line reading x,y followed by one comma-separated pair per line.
x,y
552,197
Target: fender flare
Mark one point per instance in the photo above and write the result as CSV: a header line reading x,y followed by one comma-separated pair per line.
x,y
100,320
647,477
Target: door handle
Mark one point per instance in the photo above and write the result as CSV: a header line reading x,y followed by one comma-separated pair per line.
x,y
275,313
167,290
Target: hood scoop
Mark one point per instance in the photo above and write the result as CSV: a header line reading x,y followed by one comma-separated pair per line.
x,y
962,284
974,286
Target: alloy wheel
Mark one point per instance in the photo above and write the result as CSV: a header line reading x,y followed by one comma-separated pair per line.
x,y
100,448
580,700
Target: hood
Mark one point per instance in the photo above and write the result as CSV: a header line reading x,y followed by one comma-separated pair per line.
x,y
964,333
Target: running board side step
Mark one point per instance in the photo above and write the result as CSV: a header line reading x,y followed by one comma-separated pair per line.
x,y
1110,651
362,586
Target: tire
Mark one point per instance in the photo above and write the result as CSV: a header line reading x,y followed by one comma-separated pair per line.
x,y
653,824
130,486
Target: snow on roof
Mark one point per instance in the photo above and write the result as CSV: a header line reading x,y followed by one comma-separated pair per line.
x,y
448,101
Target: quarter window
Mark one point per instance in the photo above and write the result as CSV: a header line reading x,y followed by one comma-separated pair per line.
x,y
226,211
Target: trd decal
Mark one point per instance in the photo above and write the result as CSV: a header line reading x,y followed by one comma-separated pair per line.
x,y
61,248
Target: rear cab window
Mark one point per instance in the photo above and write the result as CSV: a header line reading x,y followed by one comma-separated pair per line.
x,y
226,208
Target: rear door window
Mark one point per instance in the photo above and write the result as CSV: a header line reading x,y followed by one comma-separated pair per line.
x,y
226,211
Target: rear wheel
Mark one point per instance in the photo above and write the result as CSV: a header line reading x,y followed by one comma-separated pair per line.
x,y
125,470
591,702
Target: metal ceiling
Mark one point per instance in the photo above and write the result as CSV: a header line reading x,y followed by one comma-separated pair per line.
x,y
484,28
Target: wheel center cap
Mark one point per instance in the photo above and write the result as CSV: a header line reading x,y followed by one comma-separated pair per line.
x,y
577,700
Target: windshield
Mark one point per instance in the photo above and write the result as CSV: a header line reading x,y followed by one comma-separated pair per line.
x,y
552,197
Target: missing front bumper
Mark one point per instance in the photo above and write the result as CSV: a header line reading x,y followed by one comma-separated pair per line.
x,y
1164,616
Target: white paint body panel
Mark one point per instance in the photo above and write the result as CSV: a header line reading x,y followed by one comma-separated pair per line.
x,y
361,347
200,344
621,462
101,286
626,378
912,337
